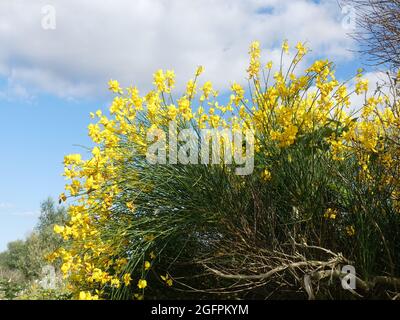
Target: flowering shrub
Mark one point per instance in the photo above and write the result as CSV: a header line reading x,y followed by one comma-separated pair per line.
x,y
325,188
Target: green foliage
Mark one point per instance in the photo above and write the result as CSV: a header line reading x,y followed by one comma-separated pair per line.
x,y
201,218
50,215
22,262
9,289
36,292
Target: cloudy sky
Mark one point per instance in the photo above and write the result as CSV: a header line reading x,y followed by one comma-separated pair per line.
x,y
57,56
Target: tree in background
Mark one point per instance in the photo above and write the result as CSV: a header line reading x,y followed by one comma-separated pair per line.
x,y
50,215
22,262
378,30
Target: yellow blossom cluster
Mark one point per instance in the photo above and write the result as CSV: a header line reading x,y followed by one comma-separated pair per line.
x,y
288,110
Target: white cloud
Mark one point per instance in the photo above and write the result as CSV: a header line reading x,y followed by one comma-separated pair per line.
x,y
6,205
10,209
33,213
129,40
22,213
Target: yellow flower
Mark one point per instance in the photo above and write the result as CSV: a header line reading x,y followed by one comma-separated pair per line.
x,y
96,151
199,71
172,112
159,80
62,198
184,108
115,283
170,78
65,267
87,296
73,159
127,279
330,213
361,86
113,85
147,265
269,65
152,255
285,46
83,295
167,280
301,49
130,206
207,89
239,93
58,229
255,53
266,175
191,88
287,137
122,262
138,296
350,230
142,284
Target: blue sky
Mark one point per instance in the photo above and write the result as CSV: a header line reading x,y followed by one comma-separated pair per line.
x,y
35,137
50,79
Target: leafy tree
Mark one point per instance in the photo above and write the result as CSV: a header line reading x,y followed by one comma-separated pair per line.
x,y
23,260
14,257
50,215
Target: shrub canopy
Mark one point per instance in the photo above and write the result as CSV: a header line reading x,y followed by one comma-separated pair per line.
x,y
324,191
